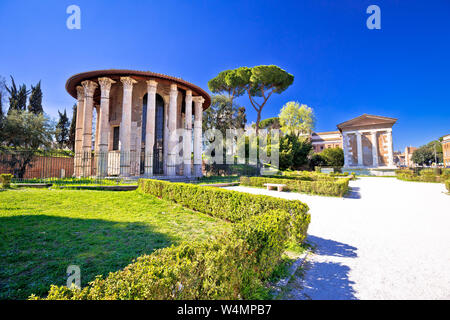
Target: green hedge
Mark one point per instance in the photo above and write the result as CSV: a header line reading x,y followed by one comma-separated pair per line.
x,y
447,185
232,266
5,180
229,205
425,175
337,187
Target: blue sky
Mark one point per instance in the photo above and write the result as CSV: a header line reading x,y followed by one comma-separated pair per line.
x,y
341,68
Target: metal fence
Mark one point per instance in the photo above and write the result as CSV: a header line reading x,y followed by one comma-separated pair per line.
x,y
29,165
50,166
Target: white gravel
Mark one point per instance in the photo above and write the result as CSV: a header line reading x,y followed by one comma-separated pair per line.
x,y
388,239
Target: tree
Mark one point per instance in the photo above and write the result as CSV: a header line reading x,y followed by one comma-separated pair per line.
x,y
72,130
296,119
23,134
293,151
62,130
35,102
428,154
270,123
259,82
232,83
334,157
223,114
2,96
17,97
265,81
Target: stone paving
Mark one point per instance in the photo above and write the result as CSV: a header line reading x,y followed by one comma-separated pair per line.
x,y
388,239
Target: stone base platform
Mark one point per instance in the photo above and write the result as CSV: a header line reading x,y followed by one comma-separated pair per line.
x,y
379,172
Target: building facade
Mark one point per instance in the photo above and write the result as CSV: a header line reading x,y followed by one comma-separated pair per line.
x,y
367,142
408,156
324,140
147,124
446,150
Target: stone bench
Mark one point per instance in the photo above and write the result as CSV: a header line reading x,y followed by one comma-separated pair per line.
x,y
275,185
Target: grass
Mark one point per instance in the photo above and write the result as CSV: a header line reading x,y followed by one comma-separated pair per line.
x,y
45,231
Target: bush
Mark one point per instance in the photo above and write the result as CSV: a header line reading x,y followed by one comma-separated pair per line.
x,y
229,205
445,175
447,185
5,180
233,266
425,175
337,187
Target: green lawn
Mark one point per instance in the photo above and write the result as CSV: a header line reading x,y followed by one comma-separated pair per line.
x,y
42,232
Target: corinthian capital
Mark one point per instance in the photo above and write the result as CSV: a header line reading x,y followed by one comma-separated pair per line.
x,y
80,93
128,82
199,99
105,86
152,85
89,88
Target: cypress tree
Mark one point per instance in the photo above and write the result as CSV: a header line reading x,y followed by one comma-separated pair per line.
x,y
35,103
73,125
17,97
62,130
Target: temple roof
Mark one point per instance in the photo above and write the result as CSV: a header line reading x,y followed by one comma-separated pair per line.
x,y
115,74
367,121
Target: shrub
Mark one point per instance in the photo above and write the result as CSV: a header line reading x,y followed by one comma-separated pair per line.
x,y
425,175
233,266
5,180
445,175
337,187
230,205
447,185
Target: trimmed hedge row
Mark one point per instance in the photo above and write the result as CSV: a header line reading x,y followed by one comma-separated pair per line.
x,y
5,180
229,205
426,175
336,187
232,266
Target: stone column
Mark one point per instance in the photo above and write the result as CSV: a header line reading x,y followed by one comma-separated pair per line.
x,y
345,148
172,153
79,132
374,149
150,128
89,89
103,128
390,148
359,146
125,126
97,126
198,136
187,139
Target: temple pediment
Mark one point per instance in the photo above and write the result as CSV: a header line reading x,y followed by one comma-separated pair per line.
x,y
367,121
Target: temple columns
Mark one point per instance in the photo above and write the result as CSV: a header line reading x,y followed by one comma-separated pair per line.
x,y
198,136
172,154
89,89
374,149
187,139
150,127
79,131
359,147
103,127
390,148
125,126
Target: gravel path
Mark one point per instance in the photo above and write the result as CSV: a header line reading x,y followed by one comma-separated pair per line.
x,y
388,239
